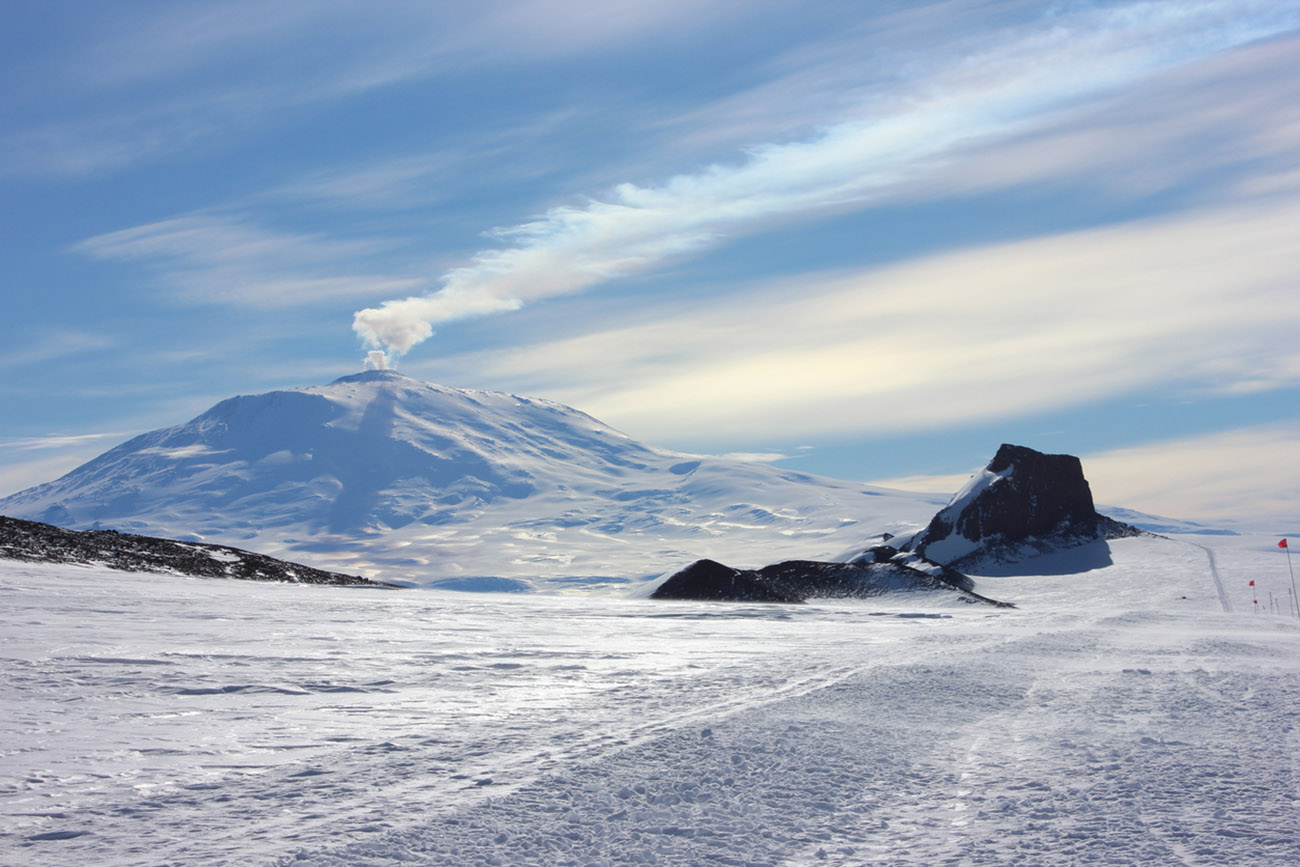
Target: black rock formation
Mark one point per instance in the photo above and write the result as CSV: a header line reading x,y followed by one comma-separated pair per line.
x,y
709,579
1023,503
800,580
44,543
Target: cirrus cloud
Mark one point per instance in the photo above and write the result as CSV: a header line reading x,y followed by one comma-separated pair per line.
x,y
976,98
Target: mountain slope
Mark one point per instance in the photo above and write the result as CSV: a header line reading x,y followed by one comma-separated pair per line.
x,y
392,477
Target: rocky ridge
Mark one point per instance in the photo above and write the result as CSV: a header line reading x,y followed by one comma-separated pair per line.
x,y
795,581
35,542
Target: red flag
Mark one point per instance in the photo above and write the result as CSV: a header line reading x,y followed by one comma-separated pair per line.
x,y
1282,544
1252,583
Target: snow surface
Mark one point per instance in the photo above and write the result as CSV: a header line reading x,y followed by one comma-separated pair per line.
x,y
954,546
389,477
1136,713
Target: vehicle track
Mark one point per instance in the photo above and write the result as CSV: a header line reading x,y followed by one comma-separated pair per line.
x,y
1214,573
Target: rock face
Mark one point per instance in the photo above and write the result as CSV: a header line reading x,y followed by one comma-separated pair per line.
x,y
800,580
42,543
1023,503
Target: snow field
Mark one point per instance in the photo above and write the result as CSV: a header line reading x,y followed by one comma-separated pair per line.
x,y
1119,716
1013,754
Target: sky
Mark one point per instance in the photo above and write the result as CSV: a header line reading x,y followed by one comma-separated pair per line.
x,y
870,241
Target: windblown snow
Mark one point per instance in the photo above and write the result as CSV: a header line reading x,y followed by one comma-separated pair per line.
x,y
1138,712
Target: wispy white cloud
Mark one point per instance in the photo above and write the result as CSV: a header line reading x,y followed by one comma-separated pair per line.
x,y
947,483
480,159
58,441
85,140
184,75
222,259
58,454
406,39
1233,118
1203,301
16,476
999,91
55,344
756,457
1245,478
395,183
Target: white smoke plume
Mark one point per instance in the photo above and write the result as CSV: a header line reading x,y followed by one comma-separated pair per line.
x,y
376,359
1003,91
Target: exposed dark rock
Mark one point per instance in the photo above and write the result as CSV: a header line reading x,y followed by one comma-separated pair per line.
x,y
887,554
1023,503
44,543
800,580
709,579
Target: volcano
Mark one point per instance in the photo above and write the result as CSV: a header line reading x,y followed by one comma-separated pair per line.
x,y
391,477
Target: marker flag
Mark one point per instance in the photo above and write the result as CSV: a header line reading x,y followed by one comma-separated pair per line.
x,y
1282,544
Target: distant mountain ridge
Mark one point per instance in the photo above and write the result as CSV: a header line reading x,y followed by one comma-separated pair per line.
x,y
385,475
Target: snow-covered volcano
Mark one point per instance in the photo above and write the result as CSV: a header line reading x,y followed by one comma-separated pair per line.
x,y
392,477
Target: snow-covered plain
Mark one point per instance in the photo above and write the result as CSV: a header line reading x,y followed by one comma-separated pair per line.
x,y
1137,713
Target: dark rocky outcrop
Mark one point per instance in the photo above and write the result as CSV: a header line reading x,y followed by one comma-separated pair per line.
x,y
709,579
43,543
799,580
1023,503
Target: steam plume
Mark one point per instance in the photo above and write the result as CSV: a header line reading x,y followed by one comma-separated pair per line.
x,y
979,97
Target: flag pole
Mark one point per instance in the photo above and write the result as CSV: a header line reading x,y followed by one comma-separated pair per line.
x,y
1287,549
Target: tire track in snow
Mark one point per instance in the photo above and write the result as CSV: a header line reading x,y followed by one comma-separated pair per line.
x,y
1214,573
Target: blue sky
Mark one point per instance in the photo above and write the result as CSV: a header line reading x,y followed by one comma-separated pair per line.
x,y
867,240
